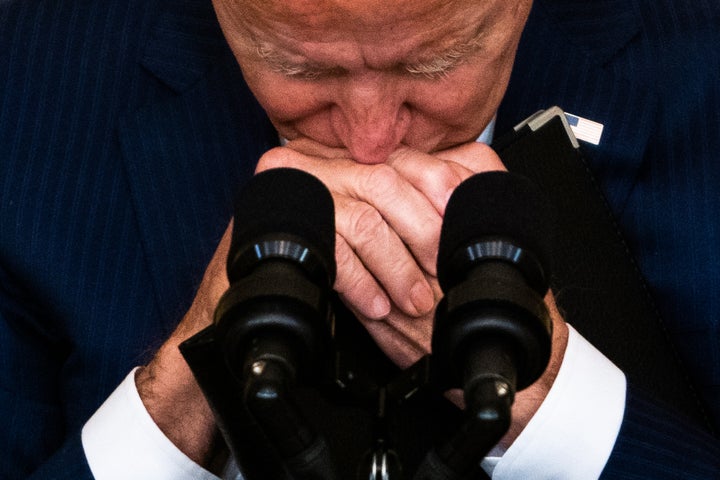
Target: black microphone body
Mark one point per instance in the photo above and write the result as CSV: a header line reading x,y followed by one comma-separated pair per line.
x,y
281,268
492,333
279,295
272,328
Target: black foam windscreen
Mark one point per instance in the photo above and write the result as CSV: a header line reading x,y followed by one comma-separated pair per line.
x,y
287,201
495,205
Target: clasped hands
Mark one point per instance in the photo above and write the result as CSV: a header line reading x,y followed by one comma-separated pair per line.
x,y
388,220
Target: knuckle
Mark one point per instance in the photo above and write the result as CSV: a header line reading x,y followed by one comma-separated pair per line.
x,y
343,254
478,148
481,157
353,284
366,224
381,181
276,158
352,280
442,177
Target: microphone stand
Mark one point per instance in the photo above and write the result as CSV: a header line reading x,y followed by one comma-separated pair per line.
x,y
269,382
492,336
257,416
271,334
382,462
488,400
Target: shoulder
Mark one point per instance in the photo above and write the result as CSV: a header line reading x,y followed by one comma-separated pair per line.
x,y
607,29
679,33
664,46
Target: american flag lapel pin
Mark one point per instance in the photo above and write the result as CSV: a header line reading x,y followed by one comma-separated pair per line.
x,y
584,129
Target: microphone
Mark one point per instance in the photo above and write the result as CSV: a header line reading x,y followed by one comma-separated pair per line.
x,y
492,332
274,323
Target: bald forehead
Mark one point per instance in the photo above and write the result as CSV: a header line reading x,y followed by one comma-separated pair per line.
x,y
361,15
344,35
367,11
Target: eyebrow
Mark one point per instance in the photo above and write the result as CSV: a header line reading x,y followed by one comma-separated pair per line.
x,y
281,64
433,66
440,64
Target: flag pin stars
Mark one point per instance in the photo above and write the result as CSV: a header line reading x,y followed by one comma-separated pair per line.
x,y
584,129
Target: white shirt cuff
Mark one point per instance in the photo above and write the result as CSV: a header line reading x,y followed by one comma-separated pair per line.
x,y
121,441
574,430
570,436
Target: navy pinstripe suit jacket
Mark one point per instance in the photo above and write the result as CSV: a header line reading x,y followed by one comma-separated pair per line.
x,y
126,128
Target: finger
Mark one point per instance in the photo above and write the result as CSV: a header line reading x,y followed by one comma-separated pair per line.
x,y
312,148
391,226
474,156
404,208
402,349
384,255
438,175
435,177
403,339
301,154
356,285
419,330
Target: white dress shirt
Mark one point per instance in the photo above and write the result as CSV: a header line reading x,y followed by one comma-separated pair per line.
x,y
570,437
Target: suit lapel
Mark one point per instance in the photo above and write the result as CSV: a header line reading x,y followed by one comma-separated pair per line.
x,y
585,72
189,149
600,28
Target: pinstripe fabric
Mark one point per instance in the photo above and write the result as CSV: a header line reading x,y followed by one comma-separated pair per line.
x,y
653,79
125,129
649,446
104,214
55,136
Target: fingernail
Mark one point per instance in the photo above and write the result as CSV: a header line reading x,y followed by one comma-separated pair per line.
x,y
421,296
380,308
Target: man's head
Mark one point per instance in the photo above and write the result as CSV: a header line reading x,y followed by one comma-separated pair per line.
x,y
369,75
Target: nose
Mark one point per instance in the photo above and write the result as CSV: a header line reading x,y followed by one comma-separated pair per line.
x,y
371,116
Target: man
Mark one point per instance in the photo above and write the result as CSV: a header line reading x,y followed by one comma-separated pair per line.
x,y
383,103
